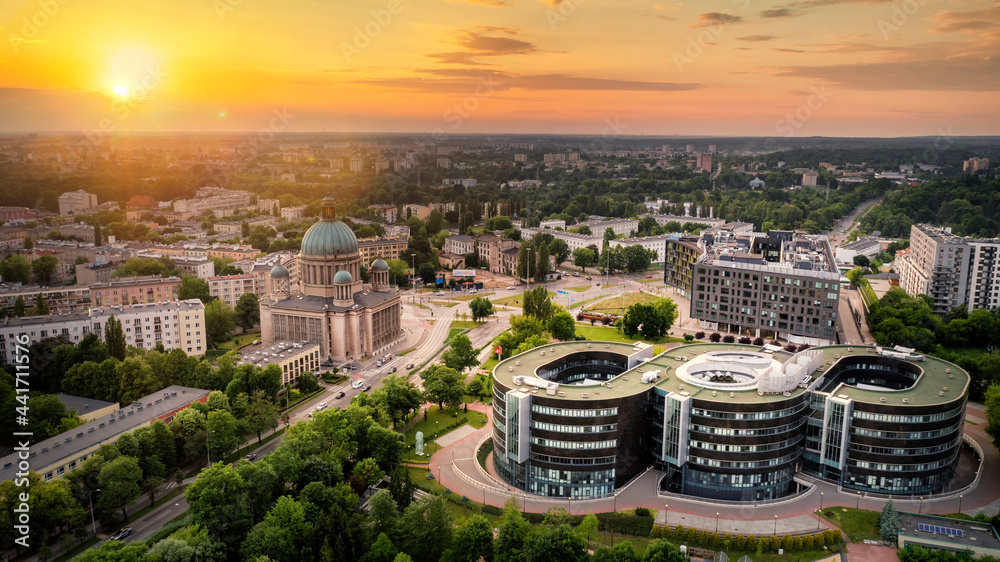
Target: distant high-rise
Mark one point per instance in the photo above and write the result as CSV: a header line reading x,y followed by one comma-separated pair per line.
x,y
690,149
711,149
973,165
704,162
953,270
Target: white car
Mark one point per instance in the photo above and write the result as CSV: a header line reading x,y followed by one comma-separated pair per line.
x,y
358,383
511,288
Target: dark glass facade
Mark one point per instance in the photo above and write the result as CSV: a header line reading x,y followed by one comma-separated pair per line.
x,y
724,447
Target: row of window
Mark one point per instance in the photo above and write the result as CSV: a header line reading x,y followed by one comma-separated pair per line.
x,y
749,465
747,432
610,444
893,418
922,467
573,413
905,434
573,428
901,452
575,461
767,415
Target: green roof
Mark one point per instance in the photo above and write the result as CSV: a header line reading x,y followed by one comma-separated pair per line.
x,y
328,237
935,374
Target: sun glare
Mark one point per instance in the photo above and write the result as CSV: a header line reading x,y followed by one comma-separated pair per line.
x,y
121,90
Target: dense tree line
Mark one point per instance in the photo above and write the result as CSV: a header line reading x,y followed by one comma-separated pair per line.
x,y
970,206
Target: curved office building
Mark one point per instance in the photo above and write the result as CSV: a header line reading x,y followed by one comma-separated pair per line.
x,y
722,421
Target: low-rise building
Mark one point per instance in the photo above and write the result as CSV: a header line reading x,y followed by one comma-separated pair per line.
x,y
56,456
868,247
87,408
491,247
459,244
385,248
234,252
229,288
11,213
128,291
655,244
77,202
61,300
92,273
951,535
202,268
293,358
553,224
389,213
294,213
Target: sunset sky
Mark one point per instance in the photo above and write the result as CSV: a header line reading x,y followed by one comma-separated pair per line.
x,y
727,67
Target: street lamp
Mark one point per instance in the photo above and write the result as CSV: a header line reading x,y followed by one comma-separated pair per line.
x,y
920,506
775,525
92,518
666,514
858,505
960,503
716,522
819,516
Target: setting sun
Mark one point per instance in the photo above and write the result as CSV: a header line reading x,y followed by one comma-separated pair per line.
x,y
121,90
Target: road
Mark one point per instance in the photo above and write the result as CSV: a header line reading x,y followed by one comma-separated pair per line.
x,y
842,228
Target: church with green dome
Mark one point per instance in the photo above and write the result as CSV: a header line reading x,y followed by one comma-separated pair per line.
x,y
350,319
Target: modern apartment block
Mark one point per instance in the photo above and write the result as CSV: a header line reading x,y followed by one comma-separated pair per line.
x,y
176,325
293,358
726,422
678,264
127,291
953,270
779,285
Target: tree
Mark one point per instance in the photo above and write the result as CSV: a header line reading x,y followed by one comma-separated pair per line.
x,y
512,534
220,322
862,261
98,237
382,550
538,304
41,307
119,480
473,540
245,229
609,235
888,522
398,397
443,385
247,311
542,266
15,269
261,414
383,514
194,288
281,535
114,338
426,272
218,500
222,432
993,413
481,308
855,276
637,258
368,471
29,244
663,551
562,326
557,544
19,307
559,249
426,529
44,268
583,257
588,527
460,355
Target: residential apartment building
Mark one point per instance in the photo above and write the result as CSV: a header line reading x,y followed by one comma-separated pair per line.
x,y
553,224
11,213
56,456
973,165
176,325
222,204
234,252
953,270
490,248
229,288
261,271
385,248
464,182
572,239
656,244
681,253
269,207
782,285
621,227
389,213
127,291
91,273
61,300
202,268
236,227
294,358
77,202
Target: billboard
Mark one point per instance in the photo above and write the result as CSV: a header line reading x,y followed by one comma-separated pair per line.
x,y
464,273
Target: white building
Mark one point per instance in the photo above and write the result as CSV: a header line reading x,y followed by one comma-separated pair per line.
x,y
466,182
176,325
656,244
621,227
293,358
553,224
76,202
294,213
459,245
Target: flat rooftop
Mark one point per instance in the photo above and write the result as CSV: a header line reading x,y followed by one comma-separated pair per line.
x,y
941,530
936,374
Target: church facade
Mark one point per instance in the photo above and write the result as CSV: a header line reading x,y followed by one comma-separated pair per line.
x,y
346,317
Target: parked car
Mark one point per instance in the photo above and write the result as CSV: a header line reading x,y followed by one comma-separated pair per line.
x,y
339,395
367,387
121,534
251,457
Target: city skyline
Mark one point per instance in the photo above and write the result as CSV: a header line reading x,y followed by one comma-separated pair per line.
x,y
865,68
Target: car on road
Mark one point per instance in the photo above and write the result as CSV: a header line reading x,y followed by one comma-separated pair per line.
x,y
357,384
323,406
339,395
367,387
393,370
409,366
251,457
378,363
589,278
121,534
511,288
439,293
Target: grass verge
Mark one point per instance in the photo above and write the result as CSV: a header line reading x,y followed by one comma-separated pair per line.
x,y
857,524
601,333
438,423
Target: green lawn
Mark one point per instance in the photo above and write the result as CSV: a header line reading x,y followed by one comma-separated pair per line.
x,y
330,378
437,425
404,352
489,364
443,303
453,502
857,524
653,280
618,303
239,341
467,324
577,288
601,333
452,332
514,300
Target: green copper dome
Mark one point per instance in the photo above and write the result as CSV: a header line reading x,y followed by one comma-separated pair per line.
x,y
329,236
379,265
279,272
343,277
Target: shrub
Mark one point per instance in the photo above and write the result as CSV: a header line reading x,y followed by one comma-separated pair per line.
x,y
729,338
447,491
745,340
759,341
715,337
430,476
699,335
790,348
804,347
491,510
465,499
688,337
641,512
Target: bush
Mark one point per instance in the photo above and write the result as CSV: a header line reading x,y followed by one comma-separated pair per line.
x,y
641,512
759,342
715,337
491,510
699,335
688,337
430,476
447,491
729,338
790,348
465,499
745,340
804,347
